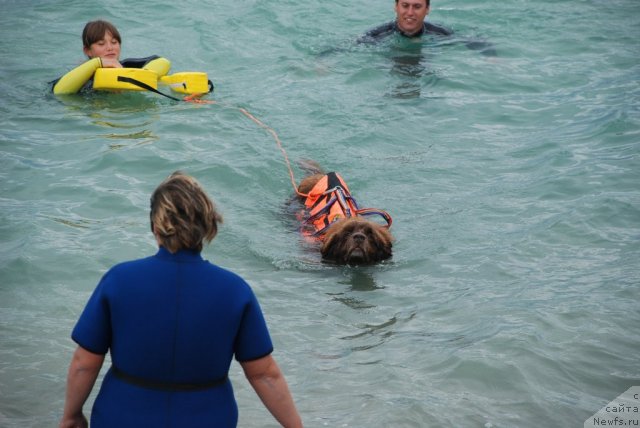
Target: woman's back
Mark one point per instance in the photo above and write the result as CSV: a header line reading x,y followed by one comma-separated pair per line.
x,y
174,318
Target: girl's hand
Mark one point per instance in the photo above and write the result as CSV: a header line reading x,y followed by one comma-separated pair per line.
x,y
110,63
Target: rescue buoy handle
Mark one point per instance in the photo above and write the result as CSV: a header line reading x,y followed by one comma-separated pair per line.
x,y
144,86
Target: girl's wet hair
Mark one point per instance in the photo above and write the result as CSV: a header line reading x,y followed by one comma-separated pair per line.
x,y
183,217
95,31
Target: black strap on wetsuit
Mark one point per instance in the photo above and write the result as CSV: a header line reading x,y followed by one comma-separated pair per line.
x,y
166,386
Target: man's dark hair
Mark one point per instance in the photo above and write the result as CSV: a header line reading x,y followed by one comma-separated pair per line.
x,y
427,1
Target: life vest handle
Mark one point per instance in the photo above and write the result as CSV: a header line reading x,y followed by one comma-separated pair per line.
x,y
374,211
144,86
333,189
343,198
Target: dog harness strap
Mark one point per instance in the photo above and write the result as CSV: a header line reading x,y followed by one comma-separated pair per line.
x,y
334,180
374,211
330,200
166,386
322,218
321,210
323,189
329,204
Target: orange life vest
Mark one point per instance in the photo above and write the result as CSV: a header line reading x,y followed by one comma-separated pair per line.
x,y
329,201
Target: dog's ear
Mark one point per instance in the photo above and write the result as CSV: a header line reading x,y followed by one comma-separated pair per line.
x,y
384,252
383,242
330,248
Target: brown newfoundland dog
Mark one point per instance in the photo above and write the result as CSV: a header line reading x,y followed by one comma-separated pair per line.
x,y
332,215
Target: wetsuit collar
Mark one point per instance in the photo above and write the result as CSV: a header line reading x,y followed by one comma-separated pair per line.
x,y
179,256
403,34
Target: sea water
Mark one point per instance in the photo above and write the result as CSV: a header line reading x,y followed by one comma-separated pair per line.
x,y
513,181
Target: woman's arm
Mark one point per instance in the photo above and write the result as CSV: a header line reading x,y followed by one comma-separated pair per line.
x,y
83,372
159,65
74,80
267,380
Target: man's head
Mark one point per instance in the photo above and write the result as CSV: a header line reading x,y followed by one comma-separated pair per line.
x,y
428,2
411,14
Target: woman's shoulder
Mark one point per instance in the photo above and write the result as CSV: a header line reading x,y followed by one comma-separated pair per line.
x,y
197,271
226,273
129,266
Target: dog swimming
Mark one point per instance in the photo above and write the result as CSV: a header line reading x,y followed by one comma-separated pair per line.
x,y
347,233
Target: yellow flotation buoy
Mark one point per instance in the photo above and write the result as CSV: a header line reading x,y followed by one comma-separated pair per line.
x,y
109,79
187,82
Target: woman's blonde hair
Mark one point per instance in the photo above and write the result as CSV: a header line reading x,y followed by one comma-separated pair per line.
x,y
182,215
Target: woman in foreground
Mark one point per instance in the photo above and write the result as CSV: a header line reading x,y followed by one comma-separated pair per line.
x,y
173,322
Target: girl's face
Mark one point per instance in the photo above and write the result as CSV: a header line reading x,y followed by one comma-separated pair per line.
x,y
108,47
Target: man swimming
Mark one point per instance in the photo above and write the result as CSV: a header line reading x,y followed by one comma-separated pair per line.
x,y
409,22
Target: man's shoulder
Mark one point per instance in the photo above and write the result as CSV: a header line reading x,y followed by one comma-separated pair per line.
x,y
379,32
430,28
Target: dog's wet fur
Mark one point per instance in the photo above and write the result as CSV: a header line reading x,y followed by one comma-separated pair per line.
x,y
349,241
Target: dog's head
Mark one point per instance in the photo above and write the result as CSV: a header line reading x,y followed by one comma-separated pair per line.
x,y
356,241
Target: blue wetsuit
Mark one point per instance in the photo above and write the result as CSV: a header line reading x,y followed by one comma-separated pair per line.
x,y
172,323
